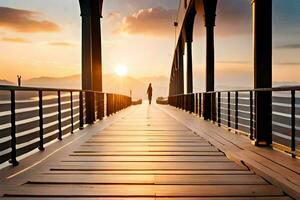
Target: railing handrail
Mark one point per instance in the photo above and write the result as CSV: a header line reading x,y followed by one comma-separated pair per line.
x,y
224,108
45,89
90,107
273,89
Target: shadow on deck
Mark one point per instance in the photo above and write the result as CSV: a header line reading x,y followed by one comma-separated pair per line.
x,y
153,152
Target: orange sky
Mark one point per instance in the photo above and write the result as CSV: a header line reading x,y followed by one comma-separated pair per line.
x,y
38,39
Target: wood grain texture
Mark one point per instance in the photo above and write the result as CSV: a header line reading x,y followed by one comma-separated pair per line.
x,y
144,155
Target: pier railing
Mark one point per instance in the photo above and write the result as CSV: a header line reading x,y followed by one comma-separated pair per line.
x,y
31,118
235,110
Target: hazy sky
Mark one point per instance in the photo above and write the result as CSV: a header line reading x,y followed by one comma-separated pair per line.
x,y
43,39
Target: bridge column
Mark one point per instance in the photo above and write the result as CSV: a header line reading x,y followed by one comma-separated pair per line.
x,y
189,29
189,76
176,75
209,18
180,85
262,32
172,82
96,10
91,12
87,75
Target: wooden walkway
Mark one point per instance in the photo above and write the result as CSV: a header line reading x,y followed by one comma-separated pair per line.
x,y
143,154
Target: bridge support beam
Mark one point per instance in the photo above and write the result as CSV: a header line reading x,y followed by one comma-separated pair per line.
x,y
96,45
91,53
210,7
180,84
262,32
189,29
172,81
87,74
189,75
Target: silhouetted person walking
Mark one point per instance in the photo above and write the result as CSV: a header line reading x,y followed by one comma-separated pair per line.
x,y
149,92
19,80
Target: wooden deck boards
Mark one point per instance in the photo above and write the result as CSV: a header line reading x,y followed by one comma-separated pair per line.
x,y
144,155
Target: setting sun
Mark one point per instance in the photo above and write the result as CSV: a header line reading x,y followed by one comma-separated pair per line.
x,y
121,70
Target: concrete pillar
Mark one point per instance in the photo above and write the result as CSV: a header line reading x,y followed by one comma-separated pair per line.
x,y
209,18
262,34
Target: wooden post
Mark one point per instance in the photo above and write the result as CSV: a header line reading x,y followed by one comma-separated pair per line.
x,y
209,18
262,34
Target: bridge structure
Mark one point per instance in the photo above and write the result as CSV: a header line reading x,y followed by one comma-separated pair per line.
x,y
215,145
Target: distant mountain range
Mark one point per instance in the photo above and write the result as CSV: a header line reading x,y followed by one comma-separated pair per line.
x,y
111,84
5,82
115,84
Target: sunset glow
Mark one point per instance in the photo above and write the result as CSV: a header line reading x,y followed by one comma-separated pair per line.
x,y
121,70
38,40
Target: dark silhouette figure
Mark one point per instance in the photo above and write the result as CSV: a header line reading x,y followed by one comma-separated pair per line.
x,y
149,92
19,80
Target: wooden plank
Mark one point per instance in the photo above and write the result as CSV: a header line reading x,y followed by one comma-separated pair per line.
x,y
137,164
145,140
104,166
147,191
149,179
147,158
139,128
141,144
147,153
149,172
97,149
209,180
164,198
236,146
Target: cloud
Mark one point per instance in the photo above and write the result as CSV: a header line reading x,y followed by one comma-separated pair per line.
x,y
15,40
25,21
288,46
233,18
113,15
63,44
152,22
